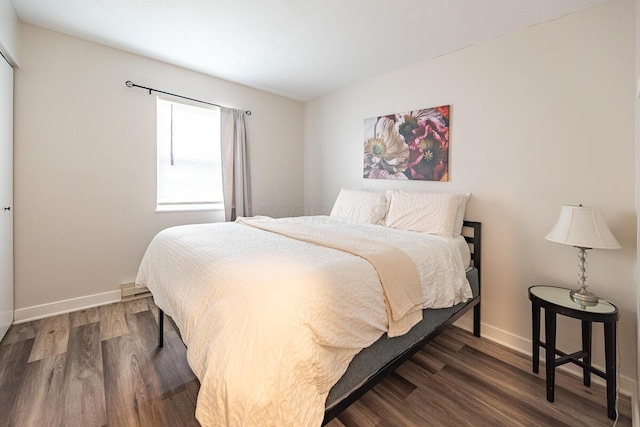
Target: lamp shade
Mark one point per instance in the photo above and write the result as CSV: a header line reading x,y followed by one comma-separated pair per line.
x,y
583,227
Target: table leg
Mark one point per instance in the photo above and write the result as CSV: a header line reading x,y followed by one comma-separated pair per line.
x,y
160,328
610,362
586,347
550,347
535,324
476,320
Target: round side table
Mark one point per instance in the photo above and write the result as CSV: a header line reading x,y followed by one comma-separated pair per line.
x,y
556,300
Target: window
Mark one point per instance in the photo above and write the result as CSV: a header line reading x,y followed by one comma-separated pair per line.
x,y
189,169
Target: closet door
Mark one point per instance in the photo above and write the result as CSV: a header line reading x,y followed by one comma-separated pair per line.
x,y
6,196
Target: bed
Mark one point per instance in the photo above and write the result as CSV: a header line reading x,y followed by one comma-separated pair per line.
x,y
276,313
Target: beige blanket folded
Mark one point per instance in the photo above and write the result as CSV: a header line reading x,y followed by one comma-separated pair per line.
x,y
397,271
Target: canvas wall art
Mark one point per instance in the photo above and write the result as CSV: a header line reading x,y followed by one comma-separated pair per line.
x,y
411,145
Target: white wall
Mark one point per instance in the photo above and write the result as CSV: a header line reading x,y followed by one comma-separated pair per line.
x,y
85,182
9,32
541,117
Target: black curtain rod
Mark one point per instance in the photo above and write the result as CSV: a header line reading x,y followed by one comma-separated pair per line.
x,y
129,83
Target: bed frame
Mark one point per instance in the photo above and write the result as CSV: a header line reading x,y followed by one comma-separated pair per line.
x,y
474,240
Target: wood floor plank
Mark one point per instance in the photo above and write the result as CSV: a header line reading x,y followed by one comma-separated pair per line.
x,y
494,401
336,423
136,306
142,373
449,341
84,317
13,363
396,386
490,386
39,396
147,394
121,405
84,399
21,332
153,308
52,337
113,322
492,349
179,408
427,362
358,415
157,360
174,346
447,403
387,406
13,352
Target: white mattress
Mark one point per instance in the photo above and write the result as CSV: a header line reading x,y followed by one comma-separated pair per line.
x,y
272,323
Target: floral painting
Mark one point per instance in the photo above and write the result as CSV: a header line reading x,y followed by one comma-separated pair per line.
x,y
412,145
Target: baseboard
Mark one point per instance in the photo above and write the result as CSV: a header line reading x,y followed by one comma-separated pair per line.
x,y
524,345
35,312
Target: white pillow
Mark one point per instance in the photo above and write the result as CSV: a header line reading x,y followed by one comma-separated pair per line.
x,y
434,213
360,206
462,200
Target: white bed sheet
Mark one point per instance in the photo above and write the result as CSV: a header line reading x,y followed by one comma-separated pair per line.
x,y
465,252
272,323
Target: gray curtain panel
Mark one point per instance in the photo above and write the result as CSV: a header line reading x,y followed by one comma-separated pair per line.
x,y
236,183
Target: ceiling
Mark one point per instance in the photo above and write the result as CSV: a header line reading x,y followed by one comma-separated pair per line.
x,y
300,49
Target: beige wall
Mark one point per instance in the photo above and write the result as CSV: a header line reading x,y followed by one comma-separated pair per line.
x,y
541,117
85,183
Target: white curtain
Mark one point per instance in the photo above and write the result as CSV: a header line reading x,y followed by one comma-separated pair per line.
x,y
236,183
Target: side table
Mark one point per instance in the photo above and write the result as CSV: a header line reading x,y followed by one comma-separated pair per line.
x,y
556,300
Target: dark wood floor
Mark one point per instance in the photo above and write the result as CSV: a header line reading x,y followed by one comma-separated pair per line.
x,y
101,367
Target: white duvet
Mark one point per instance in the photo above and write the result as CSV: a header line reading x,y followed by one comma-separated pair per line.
x,y
271,323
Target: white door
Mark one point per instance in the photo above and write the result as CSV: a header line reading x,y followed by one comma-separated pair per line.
x,y
6,196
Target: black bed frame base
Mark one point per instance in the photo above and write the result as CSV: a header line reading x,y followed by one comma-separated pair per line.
x,y
356,394
475,244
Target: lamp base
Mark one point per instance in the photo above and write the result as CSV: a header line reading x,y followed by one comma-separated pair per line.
x,y
583,296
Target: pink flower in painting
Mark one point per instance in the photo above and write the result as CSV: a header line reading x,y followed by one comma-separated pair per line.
x,y
413,145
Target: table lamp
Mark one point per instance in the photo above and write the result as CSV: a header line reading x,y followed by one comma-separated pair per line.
x,y
584,228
